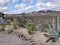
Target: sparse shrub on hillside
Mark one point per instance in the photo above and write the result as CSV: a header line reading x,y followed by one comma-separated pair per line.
x,y
2,27
11,18
8,20
15,24
8,29
30,27
23,21
18,19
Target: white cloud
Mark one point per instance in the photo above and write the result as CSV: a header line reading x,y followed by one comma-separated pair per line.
x,y
39,6
2,9
14,1
13,12
29,9
25,1
38,1
56,4
48,5
21,8
30,1
4,2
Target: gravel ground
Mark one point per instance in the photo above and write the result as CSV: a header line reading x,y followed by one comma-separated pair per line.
x,y
40,39
10,39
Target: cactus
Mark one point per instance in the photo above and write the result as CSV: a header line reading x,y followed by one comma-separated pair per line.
x,y
57,42
55,30
52,30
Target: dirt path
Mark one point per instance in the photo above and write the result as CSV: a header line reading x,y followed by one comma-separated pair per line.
x,y
9,39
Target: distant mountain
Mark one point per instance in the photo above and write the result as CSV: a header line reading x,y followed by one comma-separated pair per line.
x,y
41,12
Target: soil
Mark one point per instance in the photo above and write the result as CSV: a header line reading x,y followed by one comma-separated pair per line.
x,y
40,39
11,39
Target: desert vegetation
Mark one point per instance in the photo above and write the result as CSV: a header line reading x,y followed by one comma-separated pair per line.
x,y
36,30
54,30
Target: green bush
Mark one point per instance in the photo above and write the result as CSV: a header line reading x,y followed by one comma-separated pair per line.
x,y
11,18
2,27
15,23
23,22
30,27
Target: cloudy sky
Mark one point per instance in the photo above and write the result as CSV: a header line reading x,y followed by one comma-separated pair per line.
x,y
26,6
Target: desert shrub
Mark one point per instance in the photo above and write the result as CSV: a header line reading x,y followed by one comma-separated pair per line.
x,y
18,19
14,24
8,29
2,27
11,18
30,27
23,22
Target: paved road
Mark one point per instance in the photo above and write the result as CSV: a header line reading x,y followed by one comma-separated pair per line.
x,y
9,39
